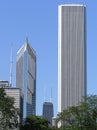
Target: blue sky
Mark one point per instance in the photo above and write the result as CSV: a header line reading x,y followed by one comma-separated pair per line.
x,y
39,21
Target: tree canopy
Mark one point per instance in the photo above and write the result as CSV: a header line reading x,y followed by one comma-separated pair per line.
x,y
33,122
8,113
81,117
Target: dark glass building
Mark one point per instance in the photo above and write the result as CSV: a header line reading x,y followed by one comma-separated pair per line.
x,y
48,111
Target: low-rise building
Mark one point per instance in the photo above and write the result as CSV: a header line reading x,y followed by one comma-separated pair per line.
x,y
4,84
15,93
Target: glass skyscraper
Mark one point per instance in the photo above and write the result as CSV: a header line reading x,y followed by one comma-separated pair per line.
x,y
48,111
71,55
26,79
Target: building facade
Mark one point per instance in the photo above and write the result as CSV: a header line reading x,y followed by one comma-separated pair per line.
x,y
15,93
4,84
48,111
71,55
26,78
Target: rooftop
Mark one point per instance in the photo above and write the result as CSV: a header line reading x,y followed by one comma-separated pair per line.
x,y
72,5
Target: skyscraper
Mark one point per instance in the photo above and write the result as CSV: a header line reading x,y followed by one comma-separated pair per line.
x,y
48,111
26,78
71,55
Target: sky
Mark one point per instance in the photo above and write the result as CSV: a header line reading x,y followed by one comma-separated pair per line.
x,y
38,20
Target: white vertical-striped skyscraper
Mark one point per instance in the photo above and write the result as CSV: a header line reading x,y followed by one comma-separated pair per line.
x,y
26,79
71,55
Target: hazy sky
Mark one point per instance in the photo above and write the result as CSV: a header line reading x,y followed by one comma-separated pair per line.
x,y
38,19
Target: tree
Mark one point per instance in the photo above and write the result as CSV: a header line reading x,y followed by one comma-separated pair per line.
x,y
33,122
81,117
8,113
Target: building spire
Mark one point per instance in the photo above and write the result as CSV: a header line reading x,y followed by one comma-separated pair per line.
x,y
26,39
11,55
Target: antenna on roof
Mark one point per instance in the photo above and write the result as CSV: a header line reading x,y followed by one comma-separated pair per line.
x,y
44,94
11,55
51,95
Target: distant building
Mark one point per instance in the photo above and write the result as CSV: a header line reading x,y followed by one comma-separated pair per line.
x,y
48,111
26,78
4,84
71,55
